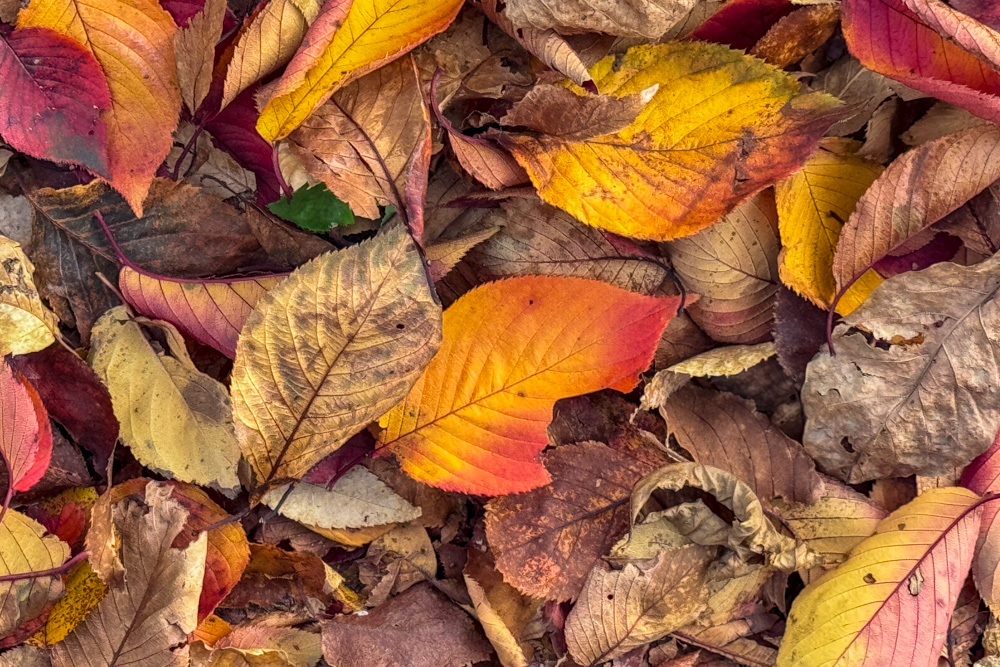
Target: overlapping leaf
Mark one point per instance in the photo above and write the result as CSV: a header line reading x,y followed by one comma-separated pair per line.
x,y
25,548
25,434
983,476
26,325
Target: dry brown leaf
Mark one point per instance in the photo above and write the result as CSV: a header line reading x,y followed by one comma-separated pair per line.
x,y
500,608
850,81
913,388
632,18
559,112
797,35
619,610
259,645
195,48
444,254
146,621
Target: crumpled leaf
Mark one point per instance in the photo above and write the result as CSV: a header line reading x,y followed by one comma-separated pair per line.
x,y
917,190
25,433
419,628
343,45
547,540
890,603
619,610
26,325
174,418
133,42
475,421
358,326
912,387
733,265
146,621
720,127
724,361
58,85
24,547
632,18
359,499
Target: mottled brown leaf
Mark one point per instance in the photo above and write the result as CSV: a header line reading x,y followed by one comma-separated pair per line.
x,y
559,112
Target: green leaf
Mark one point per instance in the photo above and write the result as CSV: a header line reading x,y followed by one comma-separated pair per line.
x,y
313,207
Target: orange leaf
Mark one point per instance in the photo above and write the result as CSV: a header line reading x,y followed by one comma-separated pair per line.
x,y
25,433
475,421
133,41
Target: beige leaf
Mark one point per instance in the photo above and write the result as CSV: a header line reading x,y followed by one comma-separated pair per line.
x,y
559,112
328,350
146,621
24,547
174,418
195,48
359,499
444,254
502,610
729,360
631,18
259,645
619,610
26,325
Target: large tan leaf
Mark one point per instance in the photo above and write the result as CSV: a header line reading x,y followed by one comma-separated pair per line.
x,y
915,385
145,622
24,547
619,610
359,141
720,127
633,18
174,418
733,265
327,351
26,325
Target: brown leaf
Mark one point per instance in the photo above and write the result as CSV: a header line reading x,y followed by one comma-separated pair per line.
x,y
619,610
485,161
559,112
797,35
977,222
194,45
799,332
547,540
146,621
733,265
633,18
500,608
914,386
418,628
725,431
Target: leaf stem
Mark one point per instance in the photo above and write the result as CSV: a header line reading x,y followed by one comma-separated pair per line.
x,y
51,572
286,190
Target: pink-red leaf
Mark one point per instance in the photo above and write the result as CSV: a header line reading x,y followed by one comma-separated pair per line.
x,y
25,434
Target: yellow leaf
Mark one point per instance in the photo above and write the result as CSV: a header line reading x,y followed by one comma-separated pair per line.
x,y
24,547
373,33
133,40
328,350
174,418
84,590
890,602
813,205
26,325
721,126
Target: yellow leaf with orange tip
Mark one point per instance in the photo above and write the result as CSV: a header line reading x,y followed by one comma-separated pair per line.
x,y
475,421
813,205
721,126
890,603
373,33
133,41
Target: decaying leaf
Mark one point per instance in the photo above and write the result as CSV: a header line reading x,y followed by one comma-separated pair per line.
x,y
911,388
502,610
26,325
635,18
357,326
174,418
195,48
24,548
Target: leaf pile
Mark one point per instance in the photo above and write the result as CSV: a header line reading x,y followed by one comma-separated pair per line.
x,y
370,333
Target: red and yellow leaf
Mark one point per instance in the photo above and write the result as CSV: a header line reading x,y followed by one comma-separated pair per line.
x,y
25,433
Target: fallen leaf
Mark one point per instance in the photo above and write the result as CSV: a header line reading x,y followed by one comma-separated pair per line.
x,y
485,436
633,18
419,628
359,499
314,208
445,254
742,23
619,610
799,332
502,611
637,183
723,361
813,205
797,35
175,419
194,45
940,120
982,476
559,112
917,190
547,540
25,434
57,84
347,42
133,42
909,390
857,86
84,591
733,265
360,354
26,324
24,548
261,646
892,599
146,621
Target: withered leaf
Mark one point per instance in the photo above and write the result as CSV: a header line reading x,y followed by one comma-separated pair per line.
x,y
913,388
559,112
634,18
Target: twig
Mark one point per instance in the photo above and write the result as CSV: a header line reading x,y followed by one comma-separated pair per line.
x,y
51,572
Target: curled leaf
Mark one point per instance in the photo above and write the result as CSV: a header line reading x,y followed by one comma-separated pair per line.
x,y
26,325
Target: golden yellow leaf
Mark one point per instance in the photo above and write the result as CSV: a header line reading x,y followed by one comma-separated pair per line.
x,y
24,547
26,325
133,40
813,205
373,33
721,126
328,350
84,590
146,621
174,418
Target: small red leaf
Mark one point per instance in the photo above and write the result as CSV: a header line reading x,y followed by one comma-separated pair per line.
x,y
25,434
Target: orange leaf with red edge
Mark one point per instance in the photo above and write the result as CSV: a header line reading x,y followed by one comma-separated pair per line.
x,y
25,433
475,421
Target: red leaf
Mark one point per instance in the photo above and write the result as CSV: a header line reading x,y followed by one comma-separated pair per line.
x,y
234,130
25,433
740,23
52,96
